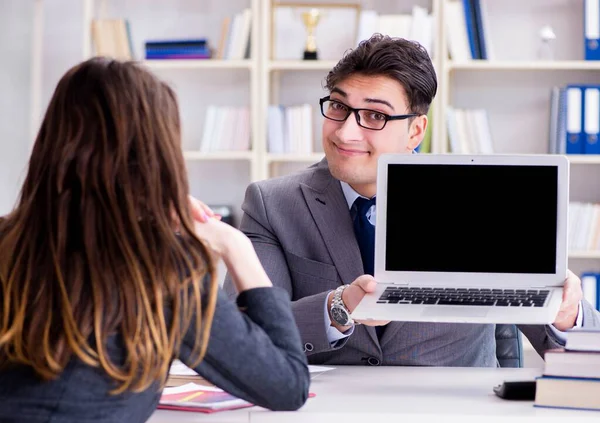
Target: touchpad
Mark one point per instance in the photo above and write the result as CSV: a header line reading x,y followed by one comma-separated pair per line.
x,y
469,311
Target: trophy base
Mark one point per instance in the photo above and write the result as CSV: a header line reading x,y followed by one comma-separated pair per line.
x,y
310,55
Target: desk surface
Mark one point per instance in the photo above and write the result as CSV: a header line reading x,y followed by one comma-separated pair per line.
x,y
350,394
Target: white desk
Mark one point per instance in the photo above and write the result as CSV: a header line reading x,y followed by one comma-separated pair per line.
x,y
357,394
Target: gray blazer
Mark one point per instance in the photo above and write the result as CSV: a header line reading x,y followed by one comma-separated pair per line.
x,y
301,229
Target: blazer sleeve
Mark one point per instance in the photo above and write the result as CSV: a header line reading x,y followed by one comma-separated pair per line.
x,y
542,338
254,351
308,311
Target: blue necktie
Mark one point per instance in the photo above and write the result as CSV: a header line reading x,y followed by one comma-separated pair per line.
x,y
365,235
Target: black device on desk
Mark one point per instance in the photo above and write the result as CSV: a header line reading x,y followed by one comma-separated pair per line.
x,y
516,390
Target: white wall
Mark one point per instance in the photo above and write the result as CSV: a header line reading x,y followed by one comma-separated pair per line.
x,y
15,60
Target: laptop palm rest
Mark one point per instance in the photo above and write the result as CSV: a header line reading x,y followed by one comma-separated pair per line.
x,y
455,311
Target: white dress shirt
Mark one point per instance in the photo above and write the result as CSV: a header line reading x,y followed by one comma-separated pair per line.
x,y
334,335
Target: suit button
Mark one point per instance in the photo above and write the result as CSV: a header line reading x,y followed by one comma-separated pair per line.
x,y
308,347
373,361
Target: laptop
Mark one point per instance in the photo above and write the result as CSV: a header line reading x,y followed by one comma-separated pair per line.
x,y
469,239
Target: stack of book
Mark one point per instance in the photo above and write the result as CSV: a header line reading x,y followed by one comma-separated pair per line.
x,y
571,376
177,49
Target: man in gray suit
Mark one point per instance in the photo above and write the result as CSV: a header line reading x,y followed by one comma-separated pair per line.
x,y
306,227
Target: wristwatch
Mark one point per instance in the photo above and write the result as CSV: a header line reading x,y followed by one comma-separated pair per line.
x,y
339,312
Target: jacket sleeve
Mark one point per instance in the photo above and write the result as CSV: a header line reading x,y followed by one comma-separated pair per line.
x,y
308,311
254,354
542,338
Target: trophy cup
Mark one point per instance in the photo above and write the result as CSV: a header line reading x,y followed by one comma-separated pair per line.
x,y
311,19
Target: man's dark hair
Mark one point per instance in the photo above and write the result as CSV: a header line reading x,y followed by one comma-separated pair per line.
x,y
402,60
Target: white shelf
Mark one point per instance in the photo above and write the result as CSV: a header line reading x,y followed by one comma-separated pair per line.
x,y
298,158
198,64
325,65
584,254
584,158
219,155
524,65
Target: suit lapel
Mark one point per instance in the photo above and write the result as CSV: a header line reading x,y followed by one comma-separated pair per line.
x,y
329,209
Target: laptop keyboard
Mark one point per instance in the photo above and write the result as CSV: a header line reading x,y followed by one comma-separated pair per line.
x,y
464,296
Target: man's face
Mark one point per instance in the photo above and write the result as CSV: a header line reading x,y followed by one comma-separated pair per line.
x,y
352,151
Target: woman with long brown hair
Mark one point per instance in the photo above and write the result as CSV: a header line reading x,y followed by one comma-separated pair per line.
x,y
106,277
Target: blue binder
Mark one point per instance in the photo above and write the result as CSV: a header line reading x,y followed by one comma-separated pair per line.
x,y
471,30
591,121
479,27
591,26
575,113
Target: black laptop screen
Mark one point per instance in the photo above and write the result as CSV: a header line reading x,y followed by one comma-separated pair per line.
x,y
471,218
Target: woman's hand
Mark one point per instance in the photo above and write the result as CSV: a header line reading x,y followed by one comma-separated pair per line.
x,y
231,245
219,236
200,211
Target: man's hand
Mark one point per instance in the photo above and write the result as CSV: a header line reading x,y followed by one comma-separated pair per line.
x,y
572,295
352,295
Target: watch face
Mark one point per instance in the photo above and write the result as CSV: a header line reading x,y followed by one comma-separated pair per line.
x,y
340,316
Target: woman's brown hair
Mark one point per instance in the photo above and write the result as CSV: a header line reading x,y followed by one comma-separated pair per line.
x,y
101,242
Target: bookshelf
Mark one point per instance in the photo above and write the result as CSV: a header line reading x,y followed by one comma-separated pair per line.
x,y
510,65
216,177
514,87
290,82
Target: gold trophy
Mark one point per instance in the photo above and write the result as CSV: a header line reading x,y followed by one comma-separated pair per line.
x,y
311,19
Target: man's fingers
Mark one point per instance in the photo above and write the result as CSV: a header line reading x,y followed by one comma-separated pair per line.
x,y
366,282
373,322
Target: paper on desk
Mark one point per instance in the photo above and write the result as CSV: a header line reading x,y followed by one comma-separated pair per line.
x,y
180,369
189,387
318,369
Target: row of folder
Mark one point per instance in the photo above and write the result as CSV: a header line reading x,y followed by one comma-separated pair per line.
x,y
575,119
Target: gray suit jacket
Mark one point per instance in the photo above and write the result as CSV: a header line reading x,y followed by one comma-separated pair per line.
x,y
301,229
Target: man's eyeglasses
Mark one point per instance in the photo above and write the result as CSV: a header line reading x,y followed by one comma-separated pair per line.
x,y
366,118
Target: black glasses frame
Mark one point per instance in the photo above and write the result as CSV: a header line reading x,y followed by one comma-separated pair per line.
x,y
357,116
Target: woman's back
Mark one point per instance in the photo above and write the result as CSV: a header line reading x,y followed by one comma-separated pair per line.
x,y
104,278
240,358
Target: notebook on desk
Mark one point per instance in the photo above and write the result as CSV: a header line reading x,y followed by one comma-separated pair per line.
x,y
474,239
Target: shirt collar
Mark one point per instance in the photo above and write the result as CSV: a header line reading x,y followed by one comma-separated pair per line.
x,y
350,194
